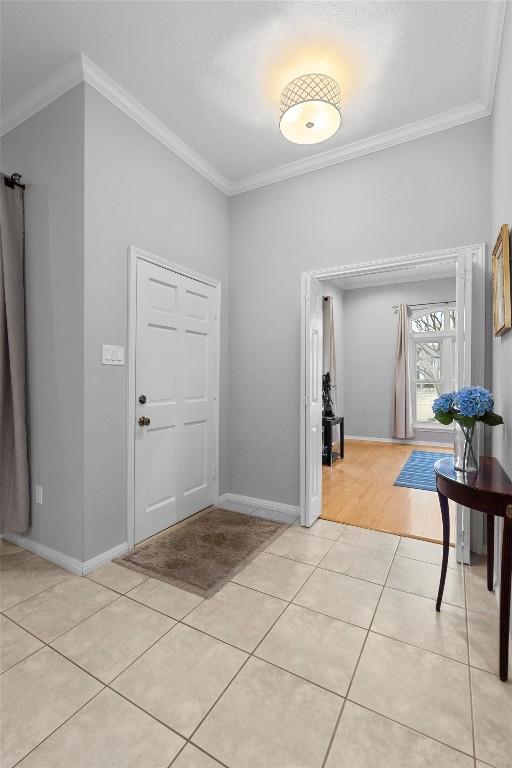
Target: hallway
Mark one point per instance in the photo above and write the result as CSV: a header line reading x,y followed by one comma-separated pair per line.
x,y
358,490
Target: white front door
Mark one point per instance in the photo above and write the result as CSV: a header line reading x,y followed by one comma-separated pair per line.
x,y
175,374
313,340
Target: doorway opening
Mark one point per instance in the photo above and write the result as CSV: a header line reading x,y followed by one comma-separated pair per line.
x,y
349,331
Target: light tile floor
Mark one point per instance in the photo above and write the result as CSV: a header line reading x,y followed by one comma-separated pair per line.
x,y
325,652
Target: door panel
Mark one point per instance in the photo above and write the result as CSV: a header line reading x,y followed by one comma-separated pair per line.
x,y
196,305
175,369
160,359
195,444
313,401
196,365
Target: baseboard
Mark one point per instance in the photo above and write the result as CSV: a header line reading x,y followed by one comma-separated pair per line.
x,y
104,558
53,555
398,440
276,506
78,567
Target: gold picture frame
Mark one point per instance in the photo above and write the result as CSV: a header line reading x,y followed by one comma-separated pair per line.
x,y
501,297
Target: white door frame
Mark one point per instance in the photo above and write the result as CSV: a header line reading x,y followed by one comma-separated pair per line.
x,y
134,255
473,258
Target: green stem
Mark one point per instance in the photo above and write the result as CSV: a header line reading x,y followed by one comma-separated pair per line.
x,y
465,456
468,433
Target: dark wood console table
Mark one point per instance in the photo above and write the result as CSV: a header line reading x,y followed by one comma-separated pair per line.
x,y
328,422
489,490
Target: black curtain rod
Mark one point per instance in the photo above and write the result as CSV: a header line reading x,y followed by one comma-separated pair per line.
x,y
425,304
430,303
14,180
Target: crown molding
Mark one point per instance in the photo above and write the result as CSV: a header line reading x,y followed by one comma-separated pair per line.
x,y
81,69
57,84
101,82
473,111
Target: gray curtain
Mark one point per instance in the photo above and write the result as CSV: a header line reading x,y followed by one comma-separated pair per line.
x,y
402,426
329,351
14,477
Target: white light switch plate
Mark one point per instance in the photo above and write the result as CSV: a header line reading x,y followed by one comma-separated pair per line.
x,y
112,355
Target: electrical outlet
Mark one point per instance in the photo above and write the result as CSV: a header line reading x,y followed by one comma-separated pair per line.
x,y
39,494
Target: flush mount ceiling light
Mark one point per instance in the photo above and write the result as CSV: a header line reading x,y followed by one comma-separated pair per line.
x,y
310,109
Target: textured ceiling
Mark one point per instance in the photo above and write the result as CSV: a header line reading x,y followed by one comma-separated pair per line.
x,y
212,71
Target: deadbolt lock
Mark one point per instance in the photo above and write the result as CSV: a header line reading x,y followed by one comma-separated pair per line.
x,y
142,399
144,421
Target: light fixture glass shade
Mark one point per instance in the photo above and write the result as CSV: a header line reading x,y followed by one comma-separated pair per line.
x,y
310,109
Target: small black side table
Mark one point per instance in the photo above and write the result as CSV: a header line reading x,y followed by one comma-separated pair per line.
x,y
328,455
489,490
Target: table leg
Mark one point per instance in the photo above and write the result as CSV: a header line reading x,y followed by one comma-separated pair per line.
x,y
490,552
445,514
506,566
328,432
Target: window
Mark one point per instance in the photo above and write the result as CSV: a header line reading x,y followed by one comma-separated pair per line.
x,y
433,359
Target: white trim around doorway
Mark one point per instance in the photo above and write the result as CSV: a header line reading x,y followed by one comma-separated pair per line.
x,y
474,338
135,254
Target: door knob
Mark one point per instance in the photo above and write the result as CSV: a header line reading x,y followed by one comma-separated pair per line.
x,y
144,421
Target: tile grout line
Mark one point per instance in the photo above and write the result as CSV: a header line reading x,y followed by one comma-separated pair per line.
x,y
252,654
469,671
410,728
46,589
23,659
397,722
249,656
352,543
433,738
24,757
330,570
333,735
104,687
149,714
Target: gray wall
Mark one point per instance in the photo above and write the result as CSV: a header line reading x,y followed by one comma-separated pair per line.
x,y
370,345
424,195
97,184
48,149
501,213
136,193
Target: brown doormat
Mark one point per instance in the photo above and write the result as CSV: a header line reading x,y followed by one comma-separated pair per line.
x,y
205,551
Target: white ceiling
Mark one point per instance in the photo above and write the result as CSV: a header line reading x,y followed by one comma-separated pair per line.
x,y
212,72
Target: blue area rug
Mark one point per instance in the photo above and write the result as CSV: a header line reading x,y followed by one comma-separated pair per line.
x,y
418,470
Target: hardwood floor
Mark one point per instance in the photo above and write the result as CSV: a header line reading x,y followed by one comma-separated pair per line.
x,y
358,490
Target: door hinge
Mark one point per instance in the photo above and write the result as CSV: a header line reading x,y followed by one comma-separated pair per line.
x,y
214,395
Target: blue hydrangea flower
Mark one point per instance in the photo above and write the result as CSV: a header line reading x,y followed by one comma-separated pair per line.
x,y
473,401
444,402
